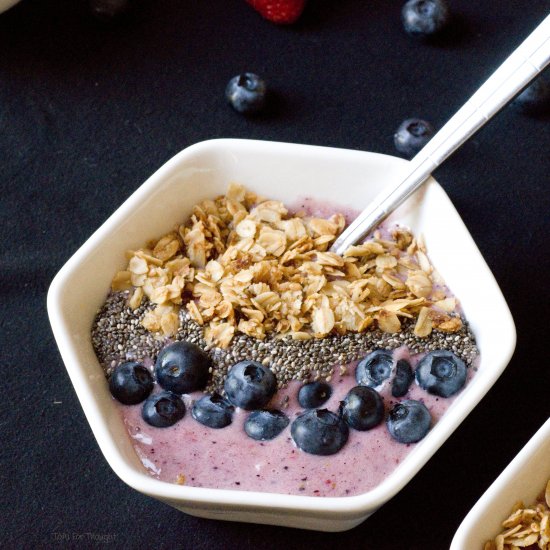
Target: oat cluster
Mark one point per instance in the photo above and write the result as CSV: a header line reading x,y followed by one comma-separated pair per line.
x,y
243,264
525,527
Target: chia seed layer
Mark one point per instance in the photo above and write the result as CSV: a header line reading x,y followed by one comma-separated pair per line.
x,y
118,336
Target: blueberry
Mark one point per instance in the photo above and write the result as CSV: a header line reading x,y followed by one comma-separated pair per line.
x,y
424,17
441,372
409,421
363,408
262,425
535,98
246,93
109,10
182,367
375,368
319,432
412,135
314,394
402,379
130,383
163,409
250,385
213,411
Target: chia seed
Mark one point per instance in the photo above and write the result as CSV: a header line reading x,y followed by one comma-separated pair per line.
x,y
118,336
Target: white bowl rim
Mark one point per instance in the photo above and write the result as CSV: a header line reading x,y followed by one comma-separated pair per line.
x,y
142,482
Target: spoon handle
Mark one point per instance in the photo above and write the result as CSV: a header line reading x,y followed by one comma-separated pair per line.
x,y
528,60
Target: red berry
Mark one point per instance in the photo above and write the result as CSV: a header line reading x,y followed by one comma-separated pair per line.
x,y
283,12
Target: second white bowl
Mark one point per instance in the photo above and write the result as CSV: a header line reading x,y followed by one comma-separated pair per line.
x,y
523,479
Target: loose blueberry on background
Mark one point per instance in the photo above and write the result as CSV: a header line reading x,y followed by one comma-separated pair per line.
x,y
250,385
314,394
130,383
262,425
412,135
319,432
409,421
441,373
182,367
163,409
535,98
403,378
109,10
213,411
246,93
363,408
425,17
375,368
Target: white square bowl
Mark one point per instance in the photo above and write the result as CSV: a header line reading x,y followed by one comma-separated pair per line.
x,y
286,172
523,479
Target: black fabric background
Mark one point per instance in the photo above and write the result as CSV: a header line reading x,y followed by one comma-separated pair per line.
x,y
88,112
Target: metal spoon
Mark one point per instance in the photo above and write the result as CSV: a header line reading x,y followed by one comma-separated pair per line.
x,y
527,61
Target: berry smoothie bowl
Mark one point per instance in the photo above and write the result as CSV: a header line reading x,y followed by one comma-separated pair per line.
x,y
233,367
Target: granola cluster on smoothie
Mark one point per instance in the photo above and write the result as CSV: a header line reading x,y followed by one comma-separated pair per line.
x,y
246,265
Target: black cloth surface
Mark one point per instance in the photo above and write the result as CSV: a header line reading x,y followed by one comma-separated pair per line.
x,y
88,112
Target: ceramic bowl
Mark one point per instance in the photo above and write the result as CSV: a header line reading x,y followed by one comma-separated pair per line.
x,y
523,479
286,172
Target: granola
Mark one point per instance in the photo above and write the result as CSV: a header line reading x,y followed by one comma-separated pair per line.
x,y
526,527
243,264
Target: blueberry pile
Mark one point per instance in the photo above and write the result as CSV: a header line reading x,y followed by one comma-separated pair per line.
x,y
322,432
182,367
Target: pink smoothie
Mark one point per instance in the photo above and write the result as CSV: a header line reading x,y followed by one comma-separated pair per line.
x,y
228,459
